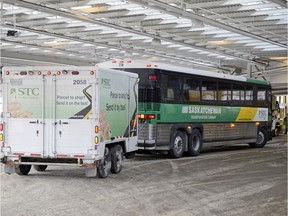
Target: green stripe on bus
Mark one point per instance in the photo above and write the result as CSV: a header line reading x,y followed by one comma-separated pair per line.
x,y
171,113
256,81
197,113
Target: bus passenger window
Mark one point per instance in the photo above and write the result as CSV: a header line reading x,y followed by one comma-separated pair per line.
x,y
191,89
194,95
170,94
238,93
261,97
208,90
173,88
224,92
249,95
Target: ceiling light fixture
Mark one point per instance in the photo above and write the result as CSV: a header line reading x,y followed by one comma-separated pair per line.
x,y
156,41
222,42
279,58
83,7
55,43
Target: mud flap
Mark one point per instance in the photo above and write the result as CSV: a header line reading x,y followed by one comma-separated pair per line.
x,y
91,172
9,169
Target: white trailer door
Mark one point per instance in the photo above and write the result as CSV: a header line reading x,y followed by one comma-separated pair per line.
x,y
73,127
24,110
133,111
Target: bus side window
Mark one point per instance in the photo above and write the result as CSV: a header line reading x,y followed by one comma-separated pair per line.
x,y
191,89
170,94
194,95
261,97
249,95
224,92
173,88
238,94
209,90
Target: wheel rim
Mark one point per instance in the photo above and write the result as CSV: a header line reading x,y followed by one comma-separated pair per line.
x,y
195,143
118,159
260,138
178,144
106,160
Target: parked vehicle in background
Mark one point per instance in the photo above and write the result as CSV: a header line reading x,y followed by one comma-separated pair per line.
x,y
59,115
183,109
276,127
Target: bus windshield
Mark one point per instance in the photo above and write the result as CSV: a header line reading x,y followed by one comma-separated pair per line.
x,y
149,85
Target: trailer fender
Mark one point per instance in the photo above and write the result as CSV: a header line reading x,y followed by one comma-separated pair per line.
x,y
91,172
9,169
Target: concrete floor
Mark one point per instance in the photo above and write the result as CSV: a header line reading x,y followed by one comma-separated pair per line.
x,y
221,181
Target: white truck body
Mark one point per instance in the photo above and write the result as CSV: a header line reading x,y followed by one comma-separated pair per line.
x,y
55,115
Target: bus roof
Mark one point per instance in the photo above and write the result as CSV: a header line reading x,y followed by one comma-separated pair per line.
x,y
153,65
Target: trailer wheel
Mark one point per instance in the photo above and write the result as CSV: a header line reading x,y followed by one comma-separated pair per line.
x,y
178,145
104,165
195,143
22,169
116,159
40,168
261,139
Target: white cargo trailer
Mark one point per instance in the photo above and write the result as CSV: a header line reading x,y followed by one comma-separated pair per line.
x,y
59,115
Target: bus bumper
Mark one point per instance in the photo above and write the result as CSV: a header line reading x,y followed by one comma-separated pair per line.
x,y
146,144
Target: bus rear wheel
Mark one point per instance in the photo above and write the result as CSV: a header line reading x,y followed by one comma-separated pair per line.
x,y
261,139
40,168
195,143
178,144
22,169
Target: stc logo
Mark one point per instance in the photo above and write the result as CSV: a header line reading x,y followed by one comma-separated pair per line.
x,y
262,115
24,92
105,82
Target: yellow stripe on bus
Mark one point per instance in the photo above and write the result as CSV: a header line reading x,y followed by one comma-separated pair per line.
x,y
246,114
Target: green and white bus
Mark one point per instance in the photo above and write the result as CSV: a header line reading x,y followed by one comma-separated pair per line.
x,y
182,109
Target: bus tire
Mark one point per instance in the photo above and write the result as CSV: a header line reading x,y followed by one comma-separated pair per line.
x,y
261,139
116,159
104,165
178,145
22,169
195,143
40,168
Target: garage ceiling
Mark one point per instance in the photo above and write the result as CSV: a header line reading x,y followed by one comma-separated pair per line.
x,y
232,36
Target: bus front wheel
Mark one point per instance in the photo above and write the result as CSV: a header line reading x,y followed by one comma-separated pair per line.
x,y
261,139
178,145
195,143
